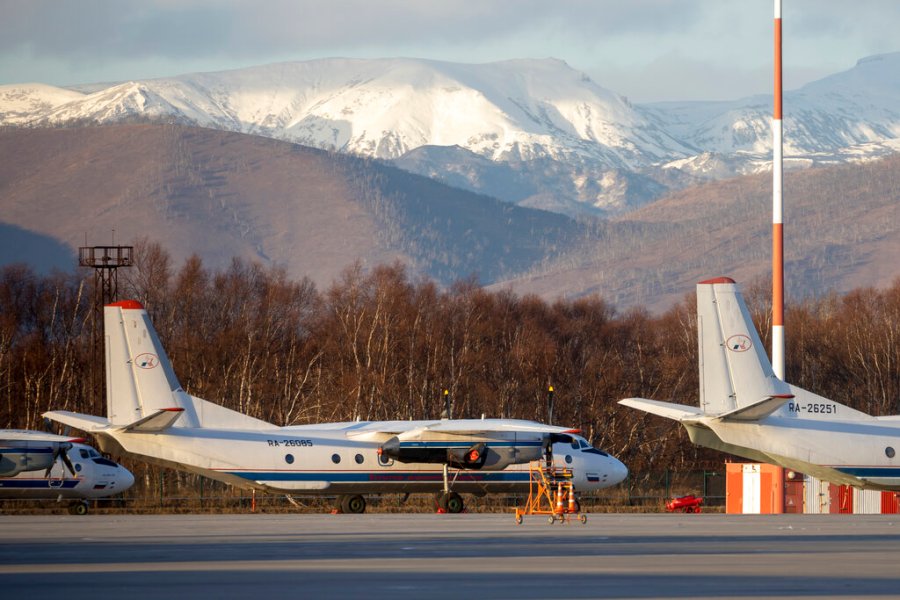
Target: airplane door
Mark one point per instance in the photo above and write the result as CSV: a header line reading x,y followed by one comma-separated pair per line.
x,y
752,489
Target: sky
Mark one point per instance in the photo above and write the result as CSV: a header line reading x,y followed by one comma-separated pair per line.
x,y
646,50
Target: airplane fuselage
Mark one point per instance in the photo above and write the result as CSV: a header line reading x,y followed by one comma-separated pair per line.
x,y
316,460
859,453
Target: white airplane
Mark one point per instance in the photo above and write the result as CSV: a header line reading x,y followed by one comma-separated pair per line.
x,y
151,417
36,465
747,411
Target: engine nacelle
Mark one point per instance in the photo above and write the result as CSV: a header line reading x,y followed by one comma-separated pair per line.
x,y
474,456
13,463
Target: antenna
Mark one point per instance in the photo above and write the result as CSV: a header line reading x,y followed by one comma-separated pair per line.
x,y
550,405
777,217
447,413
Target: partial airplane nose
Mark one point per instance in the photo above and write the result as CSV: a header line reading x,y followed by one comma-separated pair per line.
x,y
124,479
618,471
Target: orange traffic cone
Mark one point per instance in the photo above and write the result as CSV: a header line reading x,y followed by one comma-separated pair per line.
x,y
571,499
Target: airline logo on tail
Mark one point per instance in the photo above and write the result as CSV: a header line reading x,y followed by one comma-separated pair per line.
x,y
147,361
739,343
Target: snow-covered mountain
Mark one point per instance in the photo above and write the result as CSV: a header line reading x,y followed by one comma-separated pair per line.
x,y
520,109
533,132
847,116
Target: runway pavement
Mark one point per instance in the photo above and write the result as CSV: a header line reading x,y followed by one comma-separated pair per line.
x,y
467,556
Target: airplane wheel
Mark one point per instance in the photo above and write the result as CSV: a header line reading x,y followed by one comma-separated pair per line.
x,y
518,519
353,504
583,519
79,508
453,503
551,519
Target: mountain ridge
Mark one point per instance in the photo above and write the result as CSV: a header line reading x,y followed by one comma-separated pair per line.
x,y
561,140
222,195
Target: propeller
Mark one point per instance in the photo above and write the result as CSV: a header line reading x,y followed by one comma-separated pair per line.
x,y
61,454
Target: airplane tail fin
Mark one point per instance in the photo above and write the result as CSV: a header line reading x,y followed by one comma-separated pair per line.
x,y
140,381
142,392
735,372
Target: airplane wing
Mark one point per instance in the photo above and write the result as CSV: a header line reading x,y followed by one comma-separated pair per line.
x,y
472,427
477,426
21,435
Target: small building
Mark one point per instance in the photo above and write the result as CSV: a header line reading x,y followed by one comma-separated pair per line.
x,y
759,488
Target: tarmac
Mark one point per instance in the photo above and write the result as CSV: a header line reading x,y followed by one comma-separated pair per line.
x,y
467,556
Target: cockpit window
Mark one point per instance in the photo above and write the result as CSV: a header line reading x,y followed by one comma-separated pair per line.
x,y
105,462
83,453
584,444
94,453
595,451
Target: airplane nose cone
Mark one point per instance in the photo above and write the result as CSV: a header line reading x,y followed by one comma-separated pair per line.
x,y
125,479
618,472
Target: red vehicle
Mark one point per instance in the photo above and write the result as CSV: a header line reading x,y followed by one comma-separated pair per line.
x,y
688,504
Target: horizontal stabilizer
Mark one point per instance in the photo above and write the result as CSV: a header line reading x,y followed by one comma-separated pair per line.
x,y
158,421
755,412
669,410
22,435
88,423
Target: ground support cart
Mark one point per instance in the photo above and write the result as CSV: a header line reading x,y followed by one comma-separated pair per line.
x,y
551,493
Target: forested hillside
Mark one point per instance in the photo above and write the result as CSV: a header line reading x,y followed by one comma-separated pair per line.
x,y
383,345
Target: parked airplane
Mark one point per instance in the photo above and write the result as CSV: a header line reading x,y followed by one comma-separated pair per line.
x,y
747,411
151,417
36,465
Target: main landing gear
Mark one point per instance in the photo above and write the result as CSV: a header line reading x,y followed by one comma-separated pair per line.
x,y
78,508
354,504
449,502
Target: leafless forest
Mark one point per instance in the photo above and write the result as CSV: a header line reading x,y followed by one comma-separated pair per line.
x,y
381,345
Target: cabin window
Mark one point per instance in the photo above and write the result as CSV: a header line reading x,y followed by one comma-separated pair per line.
x,y
78,467
335,458
289,459
889,452
569,458
359,459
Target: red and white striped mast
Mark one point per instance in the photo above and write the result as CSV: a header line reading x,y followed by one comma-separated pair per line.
x,y
777,222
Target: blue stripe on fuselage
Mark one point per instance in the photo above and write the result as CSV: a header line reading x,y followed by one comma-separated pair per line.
x,y
37,484
866,472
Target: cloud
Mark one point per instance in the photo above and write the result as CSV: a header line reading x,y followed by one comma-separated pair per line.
x,y
63,42
250,28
